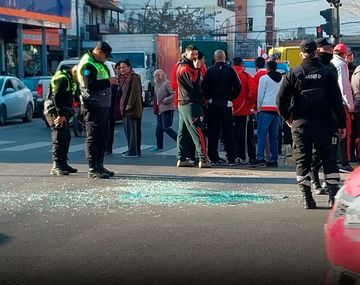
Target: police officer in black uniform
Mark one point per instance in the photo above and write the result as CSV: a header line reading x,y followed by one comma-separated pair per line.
x,y
307,99
325,54
94,82
61,97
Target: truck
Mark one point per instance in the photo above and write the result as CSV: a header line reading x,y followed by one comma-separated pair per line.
x,y
207,48
146,52
291,54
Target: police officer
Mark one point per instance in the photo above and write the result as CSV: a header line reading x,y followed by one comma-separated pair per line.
x,y
325,54
94,81
62,90
307,98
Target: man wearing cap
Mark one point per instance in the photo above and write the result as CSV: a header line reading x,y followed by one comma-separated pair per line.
x,y
325,54
307,98
340,63
94,81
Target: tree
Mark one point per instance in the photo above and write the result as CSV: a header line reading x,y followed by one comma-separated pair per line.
x,y
188,22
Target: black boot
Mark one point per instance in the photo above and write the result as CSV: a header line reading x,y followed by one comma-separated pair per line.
x,y
309,202
58,169
69,168
333,189
315,183
95,171
107,171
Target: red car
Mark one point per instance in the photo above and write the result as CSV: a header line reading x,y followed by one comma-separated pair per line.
x,y
342,233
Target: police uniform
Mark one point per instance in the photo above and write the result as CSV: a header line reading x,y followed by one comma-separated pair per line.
x,y
308,97
94,82
62,96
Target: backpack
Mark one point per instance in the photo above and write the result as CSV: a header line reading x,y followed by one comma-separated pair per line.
x,y
310,89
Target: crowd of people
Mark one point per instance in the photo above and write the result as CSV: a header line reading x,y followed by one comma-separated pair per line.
x,y
219,106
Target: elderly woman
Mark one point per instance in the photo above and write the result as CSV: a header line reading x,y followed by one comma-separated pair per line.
x,y
130,107
163,108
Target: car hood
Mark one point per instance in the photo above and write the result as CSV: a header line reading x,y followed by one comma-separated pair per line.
x,y
353,183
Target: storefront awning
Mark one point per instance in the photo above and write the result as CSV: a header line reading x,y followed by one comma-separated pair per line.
x,y
104,4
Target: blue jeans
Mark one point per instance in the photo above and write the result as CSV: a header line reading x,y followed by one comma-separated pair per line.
x,y
164,123
268,123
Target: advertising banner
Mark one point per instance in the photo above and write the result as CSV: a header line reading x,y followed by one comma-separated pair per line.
x,y
48,13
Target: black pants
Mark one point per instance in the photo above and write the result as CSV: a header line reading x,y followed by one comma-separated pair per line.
x,y
95,124
60,138
110,129
220,117
319,135
164,122
132,128
244,137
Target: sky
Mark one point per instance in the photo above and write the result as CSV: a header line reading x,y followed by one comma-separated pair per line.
x,y
305,13
290,14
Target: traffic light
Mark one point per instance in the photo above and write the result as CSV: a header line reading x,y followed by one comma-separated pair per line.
x,y
328,27
319,32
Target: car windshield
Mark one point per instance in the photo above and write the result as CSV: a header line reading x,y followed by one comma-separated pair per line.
x,y
136,59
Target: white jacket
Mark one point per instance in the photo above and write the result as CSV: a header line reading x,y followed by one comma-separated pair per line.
x,y
344,81
267,93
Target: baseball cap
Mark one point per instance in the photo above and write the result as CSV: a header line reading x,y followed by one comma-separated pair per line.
x,y
104,47
308,46
341,48
323,42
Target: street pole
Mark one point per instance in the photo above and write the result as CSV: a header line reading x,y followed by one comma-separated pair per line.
x,y
20,47
338,34
78,42
44,68
146,7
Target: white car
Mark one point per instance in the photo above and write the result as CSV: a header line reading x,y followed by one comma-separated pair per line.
x,y
16,100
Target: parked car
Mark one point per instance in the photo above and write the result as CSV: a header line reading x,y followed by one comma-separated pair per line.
x,y
16,100
342,233
35,84
283,67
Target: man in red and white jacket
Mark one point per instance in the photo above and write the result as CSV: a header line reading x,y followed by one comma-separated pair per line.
x,y
268,117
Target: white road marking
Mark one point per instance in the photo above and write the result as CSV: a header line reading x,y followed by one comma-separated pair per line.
x,y
26,146
6,142
77,147
125,148
172,152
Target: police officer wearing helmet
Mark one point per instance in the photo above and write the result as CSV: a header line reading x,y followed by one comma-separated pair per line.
x,y
308,97
58,113
94,82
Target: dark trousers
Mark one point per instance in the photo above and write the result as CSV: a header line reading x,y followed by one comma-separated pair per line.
x,y
244,137
60,138
164,122
110,129
95,124
307,135
191,129
356,136
132,128
344,145
220,117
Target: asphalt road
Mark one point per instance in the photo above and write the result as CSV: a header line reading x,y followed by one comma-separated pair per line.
x,y
152,223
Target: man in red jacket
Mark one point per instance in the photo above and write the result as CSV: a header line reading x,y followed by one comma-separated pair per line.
x,y
244,106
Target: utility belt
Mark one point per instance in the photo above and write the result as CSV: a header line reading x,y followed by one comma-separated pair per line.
x,y
100,99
